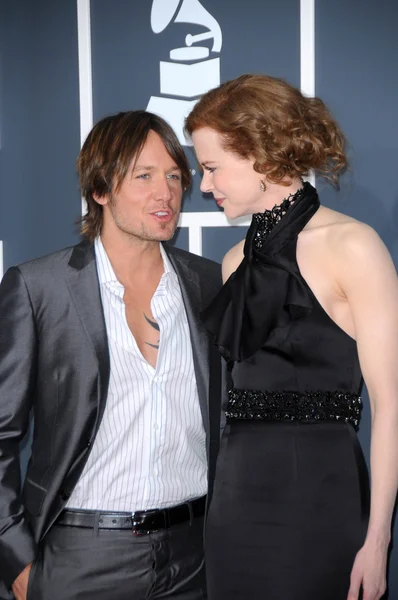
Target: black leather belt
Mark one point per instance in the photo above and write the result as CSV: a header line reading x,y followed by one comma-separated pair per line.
x,y
141,522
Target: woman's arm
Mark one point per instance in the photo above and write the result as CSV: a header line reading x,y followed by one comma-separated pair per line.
x,y
232,260
368,279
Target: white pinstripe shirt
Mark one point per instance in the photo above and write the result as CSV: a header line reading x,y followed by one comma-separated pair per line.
x,y
150,448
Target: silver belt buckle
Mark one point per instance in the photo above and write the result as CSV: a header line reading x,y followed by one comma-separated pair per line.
x,y
137,533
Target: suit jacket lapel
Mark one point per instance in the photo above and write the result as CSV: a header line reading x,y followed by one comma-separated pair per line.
x,y
192,298
83,285
84,288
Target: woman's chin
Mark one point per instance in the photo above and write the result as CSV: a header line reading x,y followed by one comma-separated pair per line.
x,y
235,214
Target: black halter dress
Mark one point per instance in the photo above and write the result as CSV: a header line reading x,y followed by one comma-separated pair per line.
x,y
291,498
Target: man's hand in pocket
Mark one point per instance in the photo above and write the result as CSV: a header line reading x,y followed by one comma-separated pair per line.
x,y
20,585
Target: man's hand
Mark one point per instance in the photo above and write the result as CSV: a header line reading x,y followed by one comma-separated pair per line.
x,y
20,585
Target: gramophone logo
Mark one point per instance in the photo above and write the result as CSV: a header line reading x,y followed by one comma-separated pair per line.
x,y
191,71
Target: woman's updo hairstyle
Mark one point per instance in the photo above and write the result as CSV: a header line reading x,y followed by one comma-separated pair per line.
x,y
266,119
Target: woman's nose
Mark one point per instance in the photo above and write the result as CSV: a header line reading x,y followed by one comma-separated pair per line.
x,y
205,185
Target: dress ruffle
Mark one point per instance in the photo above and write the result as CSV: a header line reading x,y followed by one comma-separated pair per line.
x,y
247,309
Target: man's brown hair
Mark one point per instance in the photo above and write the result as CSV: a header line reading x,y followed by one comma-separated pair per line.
x,y
107,153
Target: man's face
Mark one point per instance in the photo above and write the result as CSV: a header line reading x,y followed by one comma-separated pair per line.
x,y
148,203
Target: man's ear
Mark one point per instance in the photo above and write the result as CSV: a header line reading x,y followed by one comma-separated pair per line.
x,y
103,200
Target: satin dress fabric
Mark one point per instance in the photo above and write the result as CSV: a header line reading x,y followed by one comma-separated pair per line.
x,y
291,497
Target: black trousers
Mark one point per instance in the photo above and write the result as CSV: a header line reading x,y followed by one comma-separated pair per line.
x,y
99,564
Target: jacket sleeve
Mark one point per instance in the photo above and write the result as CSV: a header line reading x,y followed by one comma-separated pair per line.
x,y
18,357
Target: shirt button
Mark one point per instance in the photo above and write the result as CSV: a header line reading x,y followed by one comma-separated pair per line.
x,y
156,426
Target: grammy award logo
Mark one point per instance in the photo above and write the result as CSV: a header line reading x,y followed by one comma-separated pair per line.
x,y
191,70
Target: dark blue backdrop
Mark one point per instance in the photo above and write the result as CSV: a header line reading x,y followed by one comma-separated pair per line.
x,y
356,50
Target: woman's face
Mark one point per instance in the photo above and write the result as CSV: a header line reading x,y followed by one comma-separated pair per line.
x,y
231,179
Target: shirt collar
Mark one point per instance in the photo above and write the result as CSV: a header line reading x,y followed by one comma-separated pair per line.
x,y
105,270
168,267
106,274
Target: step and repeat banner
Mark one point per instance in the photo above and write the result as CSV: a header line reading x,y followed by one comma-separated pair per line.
x,y
162,55
64,65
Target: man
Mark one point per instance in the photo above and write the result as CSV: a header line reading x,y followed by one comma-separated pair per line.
x,y
104,342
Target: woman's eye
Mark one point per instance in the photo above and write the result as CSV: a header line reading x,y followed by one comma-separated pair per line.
x,y
210,169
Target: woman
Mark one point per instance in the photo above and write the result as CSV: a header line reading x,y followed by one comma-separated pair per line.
x,y
308,306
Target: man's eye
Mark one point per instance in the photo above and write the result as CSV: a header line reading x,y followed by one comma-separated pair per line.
x,y
143,176
174,176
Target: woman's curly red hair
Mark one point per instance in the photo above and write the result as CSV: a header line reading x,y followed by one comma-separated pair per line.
x,y
286,133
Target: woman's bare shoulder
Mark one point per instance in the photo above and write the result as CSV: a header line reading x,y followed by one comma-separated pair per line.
x,y
339,229
329,218
347,239
232,260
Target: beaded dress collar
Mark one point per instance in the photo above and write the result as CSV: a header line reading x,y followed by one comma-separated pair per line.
x,y
266,291
268,219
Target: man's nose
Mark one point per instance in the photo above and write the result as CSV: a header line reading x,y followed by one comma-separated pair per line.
x,y
163,189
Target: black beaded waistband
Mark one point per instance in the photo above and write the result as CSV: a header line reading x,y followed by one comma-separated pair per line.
x,y
308,407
